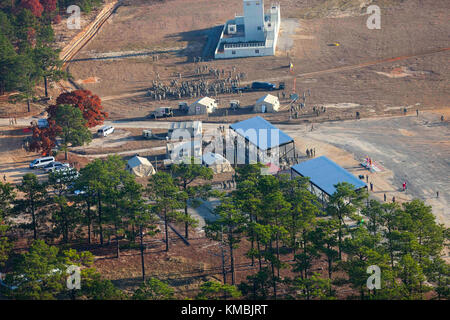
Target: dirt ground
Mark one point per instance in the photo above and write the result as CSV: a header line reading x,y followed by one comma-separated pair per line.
x,y
409,149
377,73
186,267
120,71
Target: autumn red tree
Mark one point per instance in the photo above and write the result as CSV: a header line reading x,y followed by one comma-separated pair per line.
x,y
49,5
90,104
34,6
44,139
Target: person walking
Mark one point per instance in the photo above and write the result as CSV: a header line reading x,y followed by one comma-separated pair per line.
x,y
385,197
307,153
417,112
371,186
367,178
437,194
393,199
404,186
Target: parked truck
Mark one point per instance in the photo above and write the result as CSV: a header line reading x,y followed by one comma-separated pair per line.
x,y
259,86
162,112
263,86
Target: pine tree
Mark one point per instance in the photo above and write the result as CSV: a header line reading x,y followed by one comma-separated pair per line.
x,y
228,227
185,174
167,199
35,198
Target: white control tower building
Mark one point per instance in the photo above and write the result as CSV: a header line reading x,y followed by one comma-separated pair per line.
x,y
254,20
251,35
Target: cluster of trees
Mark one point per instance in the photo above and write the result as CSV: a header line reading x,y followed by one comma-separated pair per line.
x,y
41,273
27,57
287,230
102,201
287,233
70,118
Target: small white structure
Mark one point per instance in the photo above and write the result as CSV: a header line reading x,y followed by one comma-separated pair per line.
x,y
203,106
217,163
140,167
192,129
267,103
184,150
252,35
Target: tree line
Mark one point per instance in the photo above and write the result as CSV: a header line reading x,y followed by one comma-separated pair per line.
x,y
285,226
27,55
288,229
102,202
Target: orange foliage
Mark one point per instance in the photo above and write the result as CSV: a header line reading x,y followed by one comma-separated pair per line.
x,y
90,104
44,139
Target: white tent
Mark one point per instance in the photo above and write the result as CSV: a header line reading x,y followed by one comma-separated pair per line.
x,y
267,103
140,167
184,150
217,163
187,128
203,106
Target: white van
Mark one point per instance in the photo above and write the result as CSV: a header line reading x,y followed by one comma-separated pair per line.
x,y
41,162
104,131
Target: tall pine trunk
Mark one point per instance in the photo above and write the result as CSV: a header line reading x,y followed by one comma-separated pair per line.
x,y
142,253
117,242
186,225
274,282
166,229
100,222
45,87
89,220
230,242
33,218
252,237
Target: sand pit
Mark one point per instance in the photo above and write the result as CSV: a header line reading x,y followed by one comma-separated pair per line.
x,y
88,80
342,105
402,72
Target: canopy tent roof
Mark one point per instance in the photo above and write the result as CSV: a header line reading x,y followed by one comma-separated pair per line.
x,y
140,166
206,101
210,158
196,125
217,162
268,98
260,132
325,174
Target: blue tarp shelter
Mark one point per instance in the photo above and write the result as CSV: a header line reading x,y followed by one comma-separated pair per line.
x,y
259,132
324,174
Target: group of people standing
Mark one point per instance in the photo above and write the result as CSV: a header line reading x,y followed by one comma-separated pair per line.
x,y
311,153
